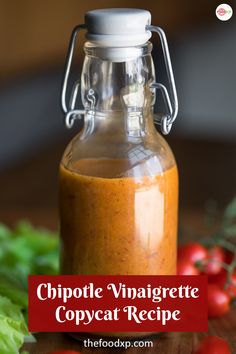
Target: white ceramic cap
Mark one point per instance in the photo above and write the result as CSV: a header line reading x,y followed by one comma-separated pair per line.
x,y
118,27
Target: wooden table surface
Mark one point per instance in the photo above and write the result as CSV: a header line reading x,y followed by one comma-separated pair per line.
x,y
166,343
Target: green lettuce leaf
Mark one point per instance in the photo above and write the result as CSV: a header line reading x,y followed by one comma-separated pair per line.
x,y
17,296
13,327
24,250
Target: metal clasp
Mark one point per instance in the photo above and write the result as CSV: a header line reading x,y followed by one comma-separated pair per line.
x,y
171,102
71,113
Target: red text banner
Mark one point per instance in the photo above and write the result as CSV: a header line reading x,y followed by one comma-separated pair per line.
x,y
69,303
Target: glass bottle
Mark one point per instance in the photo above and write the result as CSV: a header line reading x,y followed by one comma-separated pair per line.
x,y
118,176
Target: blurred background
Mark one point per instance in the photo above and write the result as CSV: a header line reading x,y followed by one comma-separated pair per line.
x,y
34,37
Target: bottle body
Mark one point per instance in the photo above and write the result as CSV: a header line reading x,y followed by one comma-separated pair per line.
x,y
119,216
118,178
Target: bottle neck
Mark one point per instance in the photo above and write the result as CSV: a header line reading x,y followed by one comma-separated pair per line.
x,y
116,88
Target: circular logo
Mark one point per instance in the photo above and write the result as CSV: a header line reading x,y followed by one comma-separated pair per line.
x,y
224,12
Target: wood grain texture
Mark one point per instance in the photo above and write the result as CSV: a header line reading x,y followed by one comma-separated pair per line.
x,y
166,343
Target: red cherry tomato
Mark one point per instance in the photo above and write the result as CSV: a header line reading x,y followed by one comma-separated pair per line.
x,y
218,301
65,351
216,257
213,345
219,278
186,268
231,287
192,252
229,256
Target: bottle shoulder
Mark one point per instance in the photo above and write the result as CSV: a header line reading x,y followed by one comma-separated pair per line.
x,y
119,155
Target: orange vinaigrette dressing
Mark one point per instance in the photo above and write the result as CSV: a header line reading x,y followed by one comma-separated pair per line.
x,y
114,226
